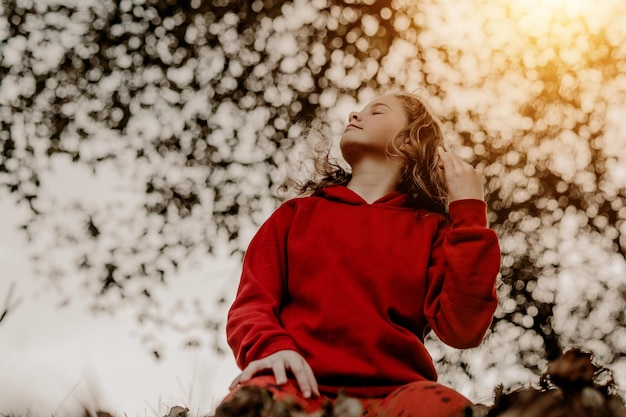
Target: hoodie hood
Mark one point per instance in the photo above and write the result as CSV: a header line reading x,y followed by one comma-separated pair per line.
x,y
343,194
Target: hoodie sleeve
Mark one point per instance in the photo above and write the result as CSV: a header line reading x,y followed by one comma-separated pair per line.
x,y
253,329
465,261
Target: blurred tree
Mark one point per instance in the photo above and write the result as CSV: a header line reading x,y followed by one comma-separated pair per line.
x,y
10,303
198,106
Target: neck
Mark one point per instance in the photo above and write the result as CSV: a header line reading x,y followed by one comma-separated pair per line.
x,y
374,181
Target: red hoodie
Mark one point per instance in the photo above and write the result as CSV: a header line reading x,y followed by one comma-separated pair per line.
x,y
354,287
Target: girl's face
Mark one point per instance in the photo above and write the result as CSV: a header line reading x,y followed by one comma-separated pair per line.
x,y
370,130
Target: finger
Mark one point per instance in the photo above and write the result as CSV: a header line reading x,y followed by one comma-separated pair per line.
x,y
442,157
303,381
250,370
312,380
454,165
447,160
234,384
279,372
304,377
453,162
462,167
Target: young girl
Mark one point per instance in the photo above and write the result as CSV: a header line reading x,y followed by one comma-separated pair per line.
x,y
339,288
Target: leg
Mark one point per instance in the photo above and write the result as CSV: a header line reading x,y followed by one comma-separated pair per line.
x,y
261,396
419,399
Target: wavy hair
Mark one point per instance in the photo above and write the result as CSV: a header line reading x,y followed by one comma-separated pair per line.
x,y
421,178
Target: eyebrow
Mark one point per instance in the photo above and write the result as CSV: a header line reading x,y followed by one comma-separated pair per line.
x,y
381,104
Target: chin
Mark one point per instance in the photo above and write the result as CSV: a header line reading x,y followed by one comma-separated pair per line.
x,y
347,147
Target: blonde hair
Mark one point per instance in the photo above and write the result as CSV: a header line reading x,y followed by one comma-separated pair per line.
x,y
421,178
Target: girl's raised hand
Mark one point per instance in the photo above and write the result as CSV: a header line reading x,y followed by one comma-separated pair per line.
x,y
279,362
463,180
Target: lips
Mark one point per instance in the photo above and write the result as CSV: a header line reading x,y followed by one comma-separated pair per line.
x,y
352,125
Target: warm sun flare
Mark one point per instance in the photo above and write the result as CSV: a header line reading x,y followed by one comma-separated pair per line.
x,y
557,9
571,8
559,21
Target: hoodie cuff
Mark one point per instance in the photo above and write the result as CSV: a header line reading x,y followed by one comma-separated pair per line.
x,y
468,212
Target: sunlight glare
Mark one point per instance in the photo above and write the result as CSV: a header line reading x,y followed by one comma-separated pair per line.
x,y
561,24
548,10
571,8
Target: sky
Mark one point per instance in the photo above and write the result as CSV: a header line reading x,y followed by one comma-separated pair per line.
x,y
57,360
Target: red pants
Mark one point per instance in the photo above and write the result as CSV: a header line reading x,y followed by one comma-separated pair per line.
x,y
417,399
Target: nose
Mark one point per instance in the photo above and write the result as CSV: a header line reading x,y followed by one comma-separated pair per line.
x,y
354,116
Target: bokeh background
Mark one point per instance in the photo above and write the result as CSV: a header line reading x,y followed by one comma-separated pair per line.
x,y
143,141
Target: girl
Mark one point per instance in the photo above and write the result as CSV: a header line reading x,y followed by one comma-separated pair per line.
x,y
339,288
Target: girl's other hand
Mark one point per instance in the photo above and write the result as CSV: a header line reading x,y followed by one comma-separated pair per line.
x,y
279,363
463,180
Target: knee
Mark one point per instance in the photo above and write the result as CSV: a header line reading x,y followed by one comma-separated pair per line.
x,y
433,389
428,398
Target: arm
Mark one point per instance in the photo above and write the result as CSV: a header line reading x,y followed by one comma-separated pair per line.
x,y
465,261
253,328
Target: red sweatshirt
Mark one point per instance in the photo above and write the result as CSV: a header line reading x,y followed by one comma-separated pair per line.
x,y
354,287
